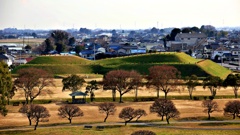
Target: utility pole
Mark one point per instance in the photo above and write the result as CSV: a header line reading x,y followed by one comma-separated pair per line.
x,y
94,51
238,59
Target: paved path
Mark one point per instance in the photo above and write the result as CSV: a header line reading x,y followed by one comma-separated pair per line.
x,y
149,124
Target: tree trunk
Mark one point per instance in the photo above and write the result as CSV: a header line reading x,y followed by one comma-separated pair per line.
x,y
190,95
213,92
234,116
208,116
162,117
138,117
165,95
128,121
236,93
120,98
136,94
91,96
26,100
158,93
30,121
167,120
31,100
105,118
35,127
114,95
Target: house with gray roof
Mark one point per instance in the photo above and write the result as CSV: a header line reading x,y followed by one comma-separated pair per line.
x,y
6,59
190,38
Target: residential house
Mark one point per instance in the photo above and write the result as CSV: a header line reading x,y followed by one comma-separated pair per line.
x,y
219,52
6,59
176,46
158,48
20,61
88,54
190,38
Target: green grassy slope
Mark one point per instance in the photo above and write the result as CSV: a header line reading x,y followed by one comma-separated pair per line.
x,y
186,58
60,68
213,68
144,58
59,60
141,63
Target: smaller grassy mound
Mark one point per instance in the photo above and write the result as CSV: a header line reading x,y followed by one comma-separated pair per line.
x,y
213,68
143,58
59,60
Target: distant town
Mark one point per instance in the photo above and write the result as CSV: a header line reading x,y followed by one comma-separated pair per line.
x,y
221,45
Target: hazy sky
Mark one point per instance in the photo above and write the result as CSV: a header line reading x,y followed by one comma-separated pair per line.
x,y
124,14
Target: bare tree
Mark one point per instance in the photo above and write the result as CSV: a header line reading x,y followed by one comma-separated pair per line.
x,y
127,114
33,82
139,113
107,85
69,111
121,80
232,108
72,83
191,83
143,132
164,107
37,113
40,114
164,78
210,106
28,111
107,108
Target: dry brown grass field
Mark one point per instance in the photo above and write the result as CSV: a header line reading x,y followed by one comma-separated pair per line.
x,y
187,108
35,40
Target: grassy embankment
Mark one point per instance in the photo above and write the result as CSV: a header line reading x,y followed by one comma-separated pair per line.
x,y
214,69
141,63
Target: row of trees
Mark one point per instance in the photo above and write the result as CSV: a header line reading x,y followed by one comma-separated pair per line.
x,y
209,30
162,78
166,79
162,107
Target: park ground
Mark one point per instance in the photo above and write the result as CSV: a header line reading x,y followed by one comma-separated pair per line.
x,y
190,111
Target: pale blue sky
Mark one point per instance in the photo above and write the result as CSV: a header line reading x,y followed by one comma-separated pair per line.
x,y
124,14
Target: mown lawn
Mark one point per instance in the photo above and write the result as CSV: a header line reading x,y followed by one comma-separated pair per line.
x,y
186,58
143,59
122,130
59,68
141,63
59,60
214,69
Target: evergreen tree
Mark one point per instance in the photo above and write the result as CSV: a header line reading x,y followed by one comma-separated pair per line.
x,y
5,87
